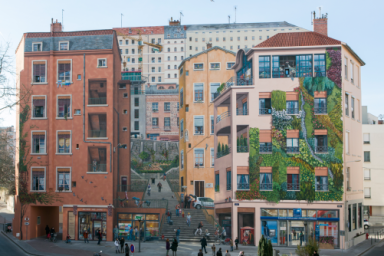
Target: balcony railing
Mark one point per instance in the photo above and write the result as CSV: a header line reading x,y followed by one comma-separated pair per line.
x,y
137,92
265,149
229,186
242,185
266,186
155,127
133,78
265,111
97,168
367,142
320,110
239,81
242,149
223,153
97,101
97,133
293,186
242,112
292,150
167,127
223,116
321,149
292,111
321,187
367,196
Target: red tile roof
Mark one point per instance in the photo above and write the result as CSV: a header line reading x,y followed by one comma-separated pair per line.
x,y
144,30
76,33
298,39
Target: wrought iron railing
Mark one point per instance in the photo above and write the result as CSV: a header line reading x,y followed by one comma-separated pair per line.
x,y
147,203
242,112
265,186
293,186
292,149
137,92
97,133
97,168
265,149
321,149
321,187
133,78
242,149
97,101
229,186
239,81
265,111
223,153
292,111
223,116
242,185
210,219
320,110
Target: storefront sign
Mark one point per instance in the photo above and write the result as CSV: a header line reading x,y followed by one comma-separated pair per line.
x,y
137,217
297,213
237,204
299,218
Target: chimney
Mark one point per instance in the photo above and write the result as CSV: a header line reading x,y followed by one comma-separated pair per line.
x,y
56,27
320,24
380,122
174,22
209,46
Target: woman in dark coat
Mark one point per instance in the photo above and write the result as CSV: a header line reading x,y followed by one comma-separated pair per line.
x,y
47,230
174,247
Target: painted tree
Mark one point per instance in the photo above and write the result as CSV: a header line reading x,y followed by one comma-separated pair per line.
x,y
265,247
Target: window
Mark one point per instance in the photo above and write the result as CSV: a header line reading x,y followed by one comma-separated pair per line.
x,y
167,106
198,66
120,42
319,65
242,181
367,156
293,182
292,107
182,57
199,125
214,87
153,69
38,106
367,174
78,77
231,38
347,142
229,180
175,75
126,42
175,66
304,65
63,142
366,138
155,122
133,61
230,65
353,107
175,49
38,142
159,60
265,147
238,38
260,38
159,79
169,58
37,47
155,106
199,157
37,179
136,102
215,66
212,157
64,71
169,66
212,125
159,40
367,192
182,159
182,128
267,37
136,125
293,145
265,181
321,183
198,92
136,113
346,67
210,39
320,105
181,97
169,75
203,48
245,38
153,79
264,67
133,51
63,46
346,105
153,60
265,107
238,47
63,179
231,47
101,63
133,41
64,106
175,57
217,182
217,39
126,51
321,144
177,106
167,123
159,69
77,112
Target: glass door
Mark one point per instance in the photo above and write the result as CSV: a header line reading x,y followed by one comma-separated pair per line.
x,y
96,228
283,241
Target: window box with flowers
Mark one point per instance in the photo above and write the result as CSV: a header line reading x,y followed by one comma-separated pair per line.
x,y
326,242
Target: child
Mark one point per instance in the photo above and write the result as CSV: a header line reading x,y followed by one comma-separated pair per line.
x,y
68,239
117,244
213,249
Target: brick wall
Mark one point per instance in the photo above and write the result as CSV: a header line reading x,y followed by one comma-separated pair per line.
x,y
321,26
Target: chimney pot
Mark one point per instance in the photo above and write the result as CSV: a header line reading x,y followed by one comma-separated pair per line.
x,y
209,46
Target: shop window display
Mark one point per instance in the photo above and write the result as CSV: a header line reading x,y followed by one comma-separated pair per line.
x,y
148,228
92,221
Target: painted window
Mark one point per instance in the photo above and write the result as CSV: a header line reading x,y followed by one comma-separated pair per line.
x,y
64,142
242,181
39,72
245,72
212,125
320,105
212,157
64,106
136,102
155,106
229,180
198,92
199,157
366,138
63,46
136,113
215,66
264,67
64,71
352,107
321,144
167,123
265,181
102,62
136,124
182,128
367,156
293,145
321,183
367,192
217,182
304,65
199,125
265,147
38,143
346,104
38,179
214,87
230,64
63,180
319,63
37,47
38,107
155,122
167,106
293,182
265,107
292,107
198,66
346,67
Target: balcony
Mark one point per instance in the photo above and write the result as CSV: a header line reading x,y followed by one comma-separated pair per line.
x,y
293,186
265,111
223,153
97,101
243,186
134,77
223,116
321,149
234,81
292,150
137,92
265,186
320,110
97,168
321,187
242,149
266,148
167,128
242,112
292,111
97,133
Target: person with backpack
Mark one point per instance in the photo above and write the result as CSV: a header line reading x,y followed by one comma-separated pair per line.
x,y
219,252
117,244
174,247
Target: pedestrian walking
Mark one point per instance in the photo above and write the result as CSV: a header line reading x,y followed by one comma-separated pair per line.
x,y
231,244
199,228
185,202
227,253
217,234
126,248
136,232
122,241
189,202
167,246
177,210
168,216
189,219
315,253
200,253
178,235
131,234
174,247
149,189
100,236
203,242
237,243
223,233
117,244
301,238
159,185
115,232
219,252
46,231
85,236
213,249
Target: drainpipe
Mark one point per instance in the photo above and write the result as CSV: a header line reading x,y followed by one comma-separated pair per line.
x,y
85,141
118,139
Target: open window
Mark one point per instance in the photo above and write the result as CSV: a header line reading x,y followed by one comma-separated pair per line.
x,y
63,142
39,71
38,175
39,106
63,175
39,142
64,71
292,66
37,47
64,106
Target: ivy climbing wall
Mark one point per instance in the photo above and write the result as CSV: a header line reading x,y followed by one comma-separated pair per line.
x,y
306,122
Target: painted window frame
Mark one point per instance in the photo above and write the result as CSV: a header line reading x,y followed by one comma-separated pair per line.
x,y
211,121
268,74
182,128
194,130
212,157
46,74
37,43
45,179
101,59
32,108
194,158
182,159
210,66
318,63
198,69
57,106
194,93
211,98
155,107
45,142
64,42
57,142
230,62
57,70
70,179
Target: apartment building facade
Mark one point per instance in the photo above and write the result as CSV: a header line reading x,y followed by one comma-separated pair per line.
x,y
295,168
68,131
373,134
200,77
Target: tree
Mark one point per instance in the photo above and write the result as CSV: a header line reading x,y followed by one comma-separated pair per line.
x,y
7,161
265,247
218,148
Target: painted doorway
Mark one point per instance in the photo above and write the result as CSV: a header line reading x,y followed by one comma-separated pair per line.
x,y
199,188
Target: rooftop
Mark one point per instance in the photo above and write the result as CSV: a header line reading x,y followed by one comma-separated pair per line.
x,y
133,31
70,33
208,50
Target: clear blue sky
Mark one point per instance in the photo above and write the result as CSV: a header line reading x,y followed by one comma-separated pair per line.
x,y
358,23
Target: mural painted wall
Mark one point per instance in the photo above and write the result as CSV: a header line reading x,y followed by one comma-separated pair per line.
x,y
307,122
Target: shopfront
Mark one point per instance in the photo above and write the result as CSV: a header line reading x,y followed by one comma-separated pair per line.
x,y
92,222
150,224
292,227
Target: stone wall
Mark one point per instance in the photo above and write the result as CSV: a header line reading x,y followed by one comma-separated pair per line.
x,y
138,146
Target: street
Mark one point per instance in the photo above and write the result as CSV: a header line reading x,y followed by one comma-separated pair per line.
x,y
8,248
377,250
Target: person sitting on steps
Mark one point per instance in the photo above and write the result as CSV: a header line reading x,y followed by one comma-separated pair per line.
x,y
199,228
